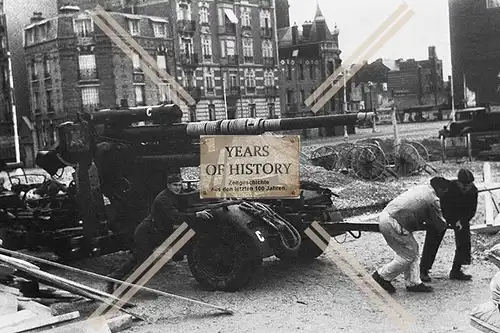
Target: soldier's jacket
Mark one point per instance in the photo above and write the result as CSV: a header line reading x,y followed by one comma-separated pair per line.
x,y
457,206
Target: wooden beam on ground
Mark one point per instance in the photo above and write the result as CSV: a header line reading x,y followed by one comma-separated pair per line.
x,y
36,307
9,290
13,319
8,304
62,283
39,322
92,325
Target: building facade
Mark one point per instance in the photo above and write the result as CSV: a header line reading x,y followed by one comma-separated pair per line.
x,y
225,53
418,83
7,145
307,58
73,66
475,50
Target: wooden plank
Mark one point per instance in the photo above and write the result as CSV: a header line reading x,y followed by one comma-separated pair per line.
x,y
91,325
485,229
39,322
10,290
36,307
8,304
17,318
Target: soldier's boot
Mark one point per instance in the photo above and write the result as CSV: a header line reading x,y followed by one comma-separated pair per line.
x,y
457,274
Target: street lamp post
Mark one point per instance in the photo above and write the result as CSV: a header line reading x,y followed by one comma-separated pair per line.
x,y
345,102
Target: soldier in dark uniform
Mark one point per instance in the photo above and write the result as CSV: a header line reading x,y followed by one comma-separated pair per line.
x,y
158,226
459,207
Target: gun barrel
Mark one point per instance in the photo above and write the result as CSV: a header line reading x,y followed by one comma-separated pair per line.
x,y
242,126
167,113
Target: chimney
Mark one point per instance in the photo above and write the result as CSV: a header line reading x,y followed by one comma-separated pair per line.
x,y
37,16
306,29
432,52
295,34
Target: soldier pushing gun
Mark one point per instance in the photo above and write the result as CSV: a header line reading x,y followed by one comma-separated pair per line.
x,y
158,226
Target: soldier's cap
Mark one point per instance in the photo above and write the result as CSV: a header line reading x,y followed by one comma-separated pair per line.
x,y
174,178
465,176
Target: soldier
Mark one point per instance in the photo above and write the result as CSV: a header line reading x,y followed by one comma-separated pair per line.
x,y
158,226
459,207
397,222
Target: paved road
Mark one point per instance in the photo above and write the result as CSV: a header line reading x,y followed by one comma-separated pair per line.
x,y
406,130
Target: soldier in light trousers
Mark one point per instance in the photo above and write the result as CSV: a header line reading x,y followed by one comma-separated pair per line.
x,y
401,217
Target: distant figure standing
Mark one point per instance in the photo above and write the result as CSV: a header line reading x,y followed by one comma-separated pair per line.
x,y
397,222
459,207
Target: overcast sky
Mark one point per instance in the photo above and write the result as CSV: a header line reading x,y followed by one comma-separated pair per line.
x,y
357,19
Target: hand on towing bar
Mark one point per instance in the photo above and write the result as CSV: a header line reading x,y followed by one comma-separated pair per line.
x,y
204,215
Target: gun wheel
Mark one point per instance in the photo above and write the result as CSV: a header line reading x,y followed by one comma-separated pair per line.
x,y
408,161
370,163
223,260
325,157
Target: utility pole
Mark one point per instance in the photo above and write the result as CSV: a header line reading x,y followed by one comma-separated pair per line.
x,y
345,102
14,113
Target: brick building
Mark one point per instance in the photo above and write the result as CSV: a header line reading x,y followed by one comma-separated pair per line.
x,y
225,52
7,146
73,66
475,49
307,57
418,83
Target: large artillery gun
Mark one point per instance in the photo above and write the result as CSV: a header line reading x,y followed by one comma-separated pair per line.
x,y
131,151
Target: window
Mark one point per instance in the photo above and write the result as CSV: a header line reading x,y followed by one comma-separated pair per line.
x,y
203,15
245,17
252,111
140,98
211,112
267,49
289,96
312,71
46,66
183,11
250,78
90,98
136,62
161,61
83,27
230,47
133,26
269,78
302,97
301,72
36,101
492,3
247,47
233,80
87,67
270,107
164,92
209,80
34,70
207,46
330,67
50,100
289,72
192,114
30,36
160,29
265,19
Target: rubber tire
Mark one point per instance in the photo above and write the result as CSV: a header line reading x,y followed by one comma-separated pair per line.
x,y
238,247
